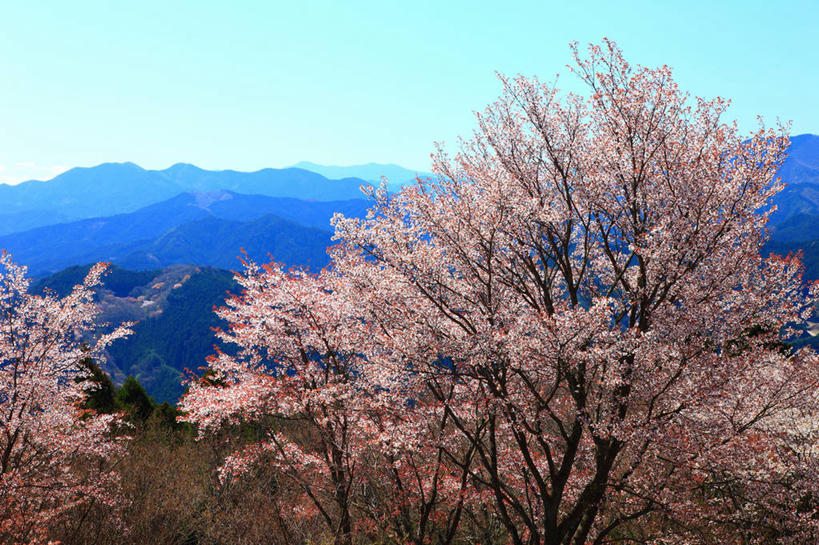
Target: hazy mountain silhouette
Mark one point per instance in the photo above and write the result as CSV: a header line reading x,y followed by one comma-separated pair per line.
x,y
218,242
116,188
397,176
118,210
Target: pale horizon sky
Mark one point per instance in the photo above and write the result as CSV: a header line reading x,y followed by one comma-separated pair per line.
x,y
249,85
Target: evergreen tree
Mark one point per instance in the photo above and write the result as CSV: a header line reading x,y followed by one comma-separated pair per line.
x,y
132,398
101,391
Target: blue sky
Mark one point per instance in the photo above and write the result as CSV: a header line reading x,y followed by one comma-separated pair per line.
x,y
247,85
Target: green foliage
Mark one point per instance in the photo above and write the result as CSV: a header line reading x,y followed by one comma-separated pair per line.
x,y
101,394
132,398
165,416
164,383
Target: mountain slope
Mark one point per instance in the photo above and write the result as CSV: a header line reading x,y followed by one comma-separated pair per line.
x,y
205,241
795,224
229,205
801,176
798,227
16,222
177,339
174,308
55,243
219,242
136,239
802,165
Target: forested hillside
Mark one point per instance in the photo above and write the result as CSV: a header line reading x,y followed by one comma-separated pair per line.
x,y
174,310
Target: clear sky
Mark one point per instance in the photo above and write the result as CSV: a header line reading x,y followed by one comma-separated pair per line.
x,y
247,85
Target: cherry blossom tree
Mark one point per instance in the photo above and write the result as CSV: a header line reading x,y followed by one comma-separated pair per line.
x,y
581,289
295,363
350,450
417,472
572,323
53,453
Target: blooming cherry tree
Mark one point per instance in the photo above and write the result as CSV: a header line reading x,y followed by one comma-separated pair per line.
x,y
353,453
52,452
582,289
572,323
296,362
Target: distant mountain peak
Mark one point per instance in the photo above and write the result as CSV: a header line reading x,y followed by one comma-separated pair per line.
x,y
396,175
111,165
178,167
102,168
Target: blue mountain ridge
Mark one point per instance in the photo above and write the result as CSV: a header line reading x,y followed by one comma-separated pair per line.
x,y
200,228
800,197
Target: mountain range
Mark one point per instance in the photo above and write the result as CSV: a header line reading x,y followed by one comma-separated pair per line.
x,y
149,219
117,188
202,228
172,233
